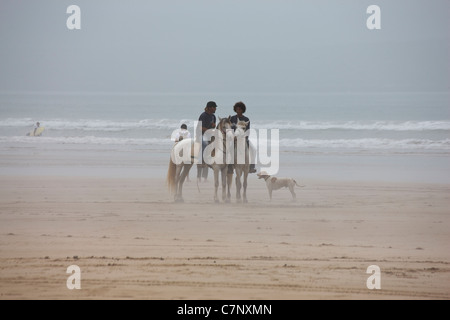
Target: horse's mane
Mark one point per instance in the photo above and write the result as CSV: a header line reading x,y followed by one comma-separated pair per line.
x,y
242,123
222,121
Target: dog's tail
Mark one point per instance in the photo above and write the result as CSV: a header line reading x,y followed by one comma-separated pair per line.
x,y
301,186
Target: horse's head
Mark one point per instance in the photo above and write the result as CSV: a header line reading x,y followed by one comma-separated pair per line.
x,y
224,124
241,127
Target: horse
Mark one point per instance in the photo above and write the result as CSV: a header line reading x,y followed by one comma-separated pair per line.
x,y
217,154
241,160
182,157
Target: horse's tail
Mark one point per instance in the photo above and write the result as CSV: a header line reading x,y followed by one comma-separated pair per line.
x,y
171,176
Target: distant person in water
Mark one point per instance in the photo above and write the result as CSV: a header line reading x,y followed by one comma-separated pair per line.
x,y
36,126
33,133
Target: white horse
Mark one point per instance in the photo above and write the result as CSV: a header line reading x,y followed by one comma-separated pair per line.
x,y
217,152
182,157
241,160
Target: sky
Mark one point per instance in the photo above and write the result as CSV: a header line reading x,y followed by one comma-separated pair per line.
x,y
224,46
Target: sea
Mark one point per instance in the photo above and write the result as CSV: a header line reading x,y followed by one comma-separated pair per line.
x,y
334,135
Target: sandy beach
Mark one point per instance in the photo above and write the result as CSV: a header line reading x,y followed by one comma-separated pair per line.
x,y
131,241
351,99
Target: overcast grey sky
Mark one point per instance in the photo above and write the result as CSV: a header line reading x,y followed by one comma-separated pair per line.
x,y
224,46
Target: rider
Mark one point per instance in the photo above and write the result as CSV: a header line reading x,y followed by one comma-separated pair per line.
x,y
240,108
208,121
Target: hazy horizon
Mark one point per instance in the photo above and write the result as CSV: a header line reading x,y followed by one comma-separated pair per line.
x,y
257,46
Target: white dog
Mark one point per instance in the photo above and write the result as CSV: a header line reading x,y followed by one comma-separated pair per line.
x,y
274,183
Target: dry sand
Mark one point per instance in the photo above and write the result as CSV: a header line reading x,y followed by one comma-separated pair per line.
x,y
131,241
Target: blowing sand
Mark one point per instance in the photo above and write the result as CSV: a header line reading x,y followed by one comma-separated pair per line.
x,y
131,241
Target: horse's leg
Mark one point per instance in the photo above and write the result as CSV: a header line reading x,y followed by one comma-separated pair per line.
x,y
180,185
246,171
184,174
177,183
224,172
216,183
229,183
238,170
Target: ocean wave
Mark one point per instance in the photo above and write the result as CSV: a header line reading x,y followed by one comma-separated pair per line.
x,y
96,125
357,125
360,144
369,143
172,124
91,140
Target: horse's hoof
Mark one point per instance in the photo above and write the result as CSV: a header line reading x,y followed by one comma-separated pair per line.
x,y
179,200
238,200
227,200
245,201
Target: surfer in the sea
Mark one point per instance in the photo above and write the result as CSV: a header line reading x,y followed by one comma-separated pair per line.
x,y
36,127
37,131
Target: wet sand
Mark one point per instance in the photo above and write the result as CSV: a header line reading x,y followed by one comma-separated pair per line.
x,y
131,241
